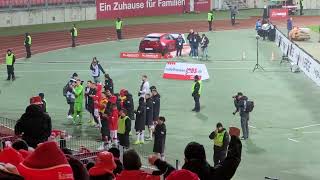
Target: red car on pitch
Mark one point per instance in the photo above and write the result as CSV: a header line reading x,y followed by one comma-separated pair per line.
x,y
158,43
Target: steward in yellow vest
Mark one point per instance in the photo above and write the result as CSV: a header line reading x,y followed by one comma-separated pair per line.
x,y
119,25
10,60
124,128
220,139
210,19
27,44
196,91
74,35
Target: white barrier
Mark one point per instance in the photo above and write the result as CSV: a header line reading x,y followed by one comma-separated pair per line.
x,y
185,71
308,64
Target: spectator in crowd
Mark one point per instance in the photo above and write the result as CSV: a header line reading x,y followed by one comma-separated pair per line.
x,y
196,92
132,165
89,165
10,60
140,121
9,172
108,83
220,139
182,174
234,12
44,102
149,115
156,103
204,47
79,170
78,91
104,167
265,29
179,45
124,128
20,144
116,154
189,38
95,68
289,25
74,35
119,26
41,164
34,125
195,161
27,44
160,137
145,87
210,19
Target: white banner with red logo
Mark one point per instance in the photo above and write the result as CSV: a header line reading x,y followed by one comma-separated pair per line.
x,y
275,14
185,71
308,64
111,9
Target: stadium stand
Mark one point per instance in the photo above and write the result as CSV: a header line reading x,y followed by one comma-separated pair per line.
x,y
21,4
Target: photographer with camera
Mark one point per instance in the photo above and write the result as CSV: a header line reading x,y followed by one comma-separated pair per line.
x,y
244,107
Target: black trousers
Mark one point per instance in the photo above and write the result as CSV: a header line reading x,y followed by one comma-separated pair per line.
x,y
210,25
10,71
71,108
124,140
73,39
28,51
233,19
179,51
119,35
196,102
219,156
105,131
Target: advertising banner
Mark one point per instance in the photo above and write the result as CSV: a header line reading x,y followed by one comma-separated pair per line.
x,y
111,9
276,14
185,71
298,56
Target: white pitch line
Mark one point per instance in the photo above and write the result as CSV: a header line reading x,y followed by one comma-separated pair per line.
x,y
252,127
302,127
311,132
293,140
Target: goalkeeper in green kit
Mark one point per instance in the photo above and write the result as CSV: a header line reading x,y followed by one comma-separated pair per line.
x,y
78,103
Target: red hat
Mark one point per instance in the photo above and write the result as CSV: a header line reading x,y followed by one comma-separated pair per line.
x,y
233,131
10,155
123,92
105,164
46,162
113,99
36,100
182,174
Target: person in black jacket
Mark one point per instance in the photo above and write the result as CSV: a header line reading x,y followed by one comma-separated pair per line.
x,y
156,104
195,161
149,116
240,102
220,138
190,39
196,45
128,104
116,154
140,121
160,132
34,126
179,45
108,83
204,47
196,91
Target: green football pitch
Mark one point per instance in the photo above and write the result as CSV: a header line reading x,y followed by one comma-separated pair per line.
x,y
283,125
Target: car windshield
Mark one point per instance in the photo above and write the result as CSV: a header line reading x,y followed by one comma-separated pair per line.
x,y
152,38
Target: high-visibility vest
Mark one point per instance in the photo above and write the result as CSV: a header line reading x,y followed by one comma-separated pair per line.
x,y
9,59
218,139
30,41
200,82
75,32
210,16
122,124
118,25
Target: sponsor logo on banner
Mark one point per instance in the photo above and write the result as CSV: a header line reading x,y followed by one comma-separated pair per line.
x,y
306,62
110,9
278,13
185,71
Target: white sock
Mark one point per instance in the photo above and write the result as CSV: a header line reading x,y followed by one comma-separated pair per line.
x,y
138,136
142,136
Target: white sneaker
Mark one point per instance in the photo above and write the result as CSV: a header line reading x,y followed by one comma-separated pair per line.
x,y
69,117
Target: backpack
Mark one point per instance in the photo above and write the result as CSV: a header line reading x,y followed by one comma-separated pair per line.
x,y
250,106
65,90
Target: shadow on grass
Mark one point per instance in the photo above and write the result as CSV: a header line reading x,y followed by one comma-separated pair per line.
x,y
252,148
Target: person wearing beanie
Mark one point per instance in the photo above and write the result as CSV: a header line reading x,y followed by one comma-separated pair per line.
x,y
34,126
182,174
132,165
139,125
220,139
40,165
116,154
195,161
103,169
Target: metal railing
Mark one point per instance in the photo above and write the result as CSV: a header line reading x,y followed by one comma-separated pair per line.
x,y
8,5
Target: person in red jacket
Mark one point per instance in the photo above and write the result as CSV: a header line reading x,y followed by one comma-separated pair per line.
x,y
132,165
96,104
113,122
